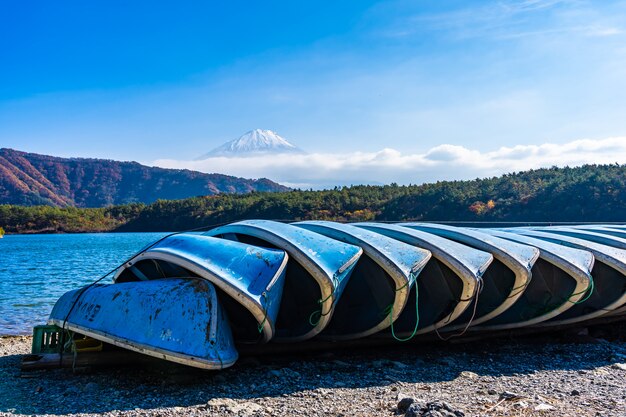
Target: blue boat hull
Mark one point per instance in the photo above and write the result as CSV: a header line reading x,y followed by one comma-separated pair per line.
x,y
172,319
446,287
249,279
380,284
317,273
609,274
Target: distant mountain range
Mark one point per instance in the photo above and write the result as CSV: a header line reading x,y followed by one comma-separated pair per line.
x,y
32,179
254,142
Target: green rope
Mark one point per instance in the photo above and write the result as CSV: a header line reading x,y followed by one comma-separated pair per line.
x,y
321,302
262,324
544,308
589,289
547,306
389,309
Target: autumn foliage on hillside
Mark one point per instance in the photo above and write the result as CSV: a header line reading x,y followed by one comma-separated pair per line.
x,y
32,179
592,193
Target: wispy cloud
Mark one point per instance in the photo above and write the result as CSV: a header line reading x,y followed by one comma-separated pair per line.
x,y
321,170
506,20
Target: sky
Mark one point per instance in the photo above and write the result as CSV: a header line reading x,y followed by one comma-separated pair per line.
x,y
375,92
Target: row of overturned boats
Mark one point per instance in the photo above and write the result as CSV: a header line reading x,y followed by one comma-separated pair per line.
x,y
196,298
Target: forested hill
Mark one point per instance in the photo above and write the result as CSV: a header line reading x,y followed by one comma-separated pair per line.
x,y
590,193
32,179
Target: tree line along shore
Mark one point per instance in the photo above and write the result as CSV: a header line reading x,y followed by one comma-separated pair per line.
x,y
590,193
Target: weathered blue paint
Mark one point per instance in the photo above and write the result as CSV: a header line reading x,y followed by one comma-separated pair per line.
x,y
609,273
468,265
179,320
401,262
250,275
500,290
327,261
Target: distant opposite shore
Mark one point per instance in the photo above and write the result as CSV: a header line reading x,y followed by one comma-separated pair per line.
x,y
591,193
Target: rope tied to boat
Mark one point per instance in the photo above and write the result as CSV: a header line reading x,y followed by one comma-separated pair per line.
x,y
479,289
549,305
112,271
589,290
411,282
319,313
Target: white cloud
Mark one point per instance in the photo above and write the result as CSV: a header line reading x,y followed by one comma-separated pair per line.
x,y
323,170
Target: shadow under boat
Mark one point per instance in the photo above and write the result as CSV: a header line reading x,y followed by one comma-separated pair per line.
x,y
249,279
179,320
317,273
446,286
501,300
576,263
609,272
380,283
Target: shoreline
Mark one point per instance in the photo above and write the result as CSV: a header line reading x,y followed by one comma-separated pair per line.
x,y
557,375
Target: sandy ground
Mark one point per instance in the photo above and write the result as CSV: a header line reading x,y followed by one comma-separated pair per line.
x,y
563,374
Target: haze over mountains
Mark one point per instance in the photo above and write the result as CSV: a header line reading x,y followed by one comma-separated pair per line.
x,y
33,179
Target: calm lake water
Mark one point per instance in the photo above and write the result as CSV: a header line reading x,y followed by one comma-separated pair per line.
x,y
36,269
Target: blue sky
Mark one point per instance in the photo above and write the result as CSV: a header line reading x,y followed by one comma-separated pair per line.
x,y
157,80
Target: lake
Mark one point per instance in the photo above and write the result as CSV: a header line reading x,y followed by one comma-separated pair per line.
x,y
35,270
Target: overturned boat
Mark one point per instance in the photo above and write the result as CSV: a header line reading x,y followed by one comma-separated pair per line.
x,y
447,285
605,230
249,279
576,263
504,281
317,272
179,320
609,273
380,283
590,235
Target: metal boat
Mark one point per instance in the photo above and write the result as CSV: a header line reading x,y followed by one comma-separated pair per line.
x,y
504,281
249,279
609,272
380,284
448,284
317,272
179,320
576,263
590,235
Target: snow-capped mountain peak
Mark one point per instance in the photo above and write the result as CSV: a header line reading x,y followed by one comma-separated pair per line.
x,y
257,141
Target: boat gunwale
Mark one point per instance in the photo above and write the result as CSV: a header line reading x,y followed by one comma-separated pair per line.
x,y
251,304
604,230
581,274
159,353
169,355
469,279
403,283
521,268
596,249
616,241
310,264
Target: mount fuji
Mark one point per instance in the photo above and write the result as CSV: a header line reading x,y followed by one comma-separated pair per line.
x,y
254,142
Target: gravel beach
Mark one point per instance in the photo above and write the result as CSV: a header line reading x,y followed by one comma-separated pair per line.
x,y
564,374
